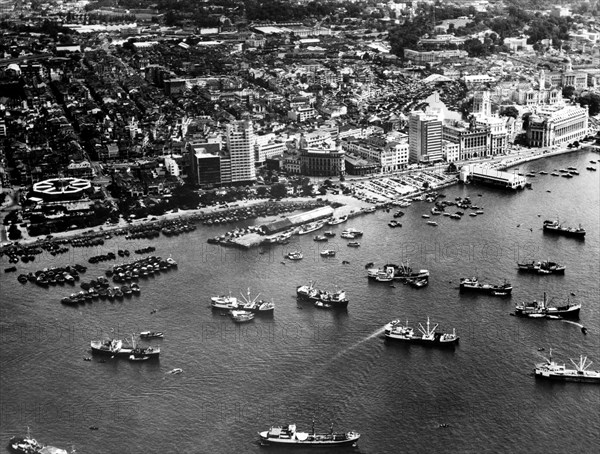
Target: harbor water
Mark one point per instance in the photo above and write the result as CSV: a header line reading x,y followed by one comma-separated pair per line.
x,y
307,363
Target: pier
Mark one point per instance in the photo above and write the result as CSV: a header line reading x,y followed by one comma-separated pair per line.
x,y
486,175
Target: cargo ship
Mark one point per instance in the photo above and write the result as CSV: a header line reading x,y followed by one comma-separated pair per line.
x,y
395,330
473,284
336,300
115,347
542,267
536,309
554,371
290,436
400,272
558,228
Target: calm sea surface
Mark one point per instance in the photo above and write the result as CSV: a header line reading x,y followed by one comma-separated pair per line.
x,y
306,363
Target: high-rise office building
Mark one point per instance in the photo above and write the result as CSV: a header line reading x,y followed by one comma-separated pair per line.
x,y
425,137
240,144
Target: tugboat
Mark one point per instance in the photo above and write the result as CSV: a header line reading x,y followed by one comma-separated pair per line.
x,y
224,302
310,227
545,267
289,436
241,316
294,255
351,233
417,283
554,371
334,221
327,253
151,335
26,444
395,330
255,305
335,299
473,284
537,309
557,227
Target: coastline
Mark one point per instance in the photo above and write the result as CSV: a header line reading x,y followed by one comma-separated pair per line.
x,y
350,205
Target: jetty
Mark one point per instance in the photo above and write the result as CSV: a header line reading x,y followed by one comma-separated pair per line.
x,y
487,175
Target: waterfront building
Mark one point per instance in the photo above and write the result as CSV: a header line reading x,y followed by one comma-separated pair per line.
x,y
425,137
205,164
387,156
326,160
267,146
240,145
473,140
482,111
557,124
450,151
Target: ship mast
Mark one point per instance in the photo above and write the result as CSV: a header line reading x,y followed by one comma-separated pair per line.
x,y
583,363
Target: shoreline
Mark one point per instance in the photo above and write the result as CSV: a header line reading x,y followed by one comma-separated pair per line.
x,y
347,203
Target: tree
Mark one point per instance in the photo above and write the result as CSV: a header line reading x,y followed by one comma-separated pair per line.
x,y
592,100
509,111
278,191
526,120
261,191
568,91
14,233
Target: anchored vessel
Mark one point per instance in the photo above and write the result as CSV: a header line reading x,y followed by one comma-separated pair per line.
x,y
295,255
255,305
541,309
241,316
397,272
29,445
289,436
224,302
335,299
473,284
151,334
335,221
310,227
543,267
115,347
554,371
557,227
395,330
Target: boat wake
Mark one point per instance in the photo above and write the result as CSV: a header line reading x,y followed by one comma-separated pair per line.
x,y
583,328
376,333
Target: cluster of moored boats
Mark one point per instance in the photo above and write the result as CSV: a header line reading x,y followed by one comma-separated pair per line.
x,y
108,256
53,275
141,268
101,288
569,172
